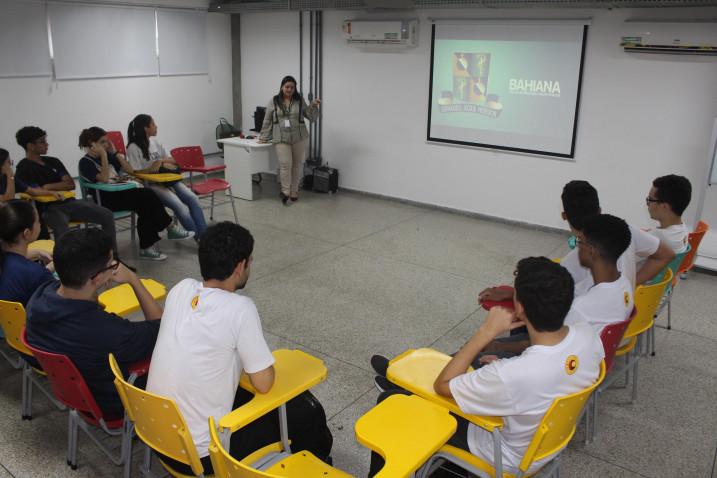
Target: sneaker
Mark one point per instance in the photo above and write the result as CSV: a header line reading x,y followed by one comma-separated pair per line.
x,y
284,199
178,233
152,253
379,364
383,384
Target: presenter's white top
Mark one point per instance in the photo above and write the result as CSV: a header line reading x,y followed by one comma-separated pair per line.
x,y
522,388
674,236
206,337
138,161
601,304
642,245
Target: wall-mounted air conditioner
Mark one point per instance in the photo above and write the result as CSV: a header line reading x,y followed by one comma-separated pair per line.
x,y
401,33
671,37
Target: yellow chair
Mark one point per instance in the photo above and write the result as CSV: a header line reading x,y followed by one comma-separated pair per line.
x,y
554,432
46,198
159,424
121,300
45,245
406,430
12,321
647,300
298,465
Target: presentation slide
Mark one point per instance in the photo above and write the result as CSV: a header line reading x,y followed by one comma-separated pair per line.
x,y
507,86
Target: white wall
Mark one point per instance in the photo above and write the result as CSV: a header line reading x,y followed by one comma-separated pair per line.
x,y
641,116
186,108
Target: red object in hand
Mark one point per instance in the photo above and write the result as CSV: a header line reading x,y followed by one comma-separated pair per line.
x,y
508,304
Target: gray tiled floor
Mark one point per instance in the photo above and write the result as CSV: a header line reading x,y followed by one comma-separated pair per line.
x,y
346,276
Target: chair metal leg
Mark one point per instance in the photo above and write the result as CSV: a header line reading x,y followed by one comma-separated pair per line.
x,y
127,434
669,312
26,392
72,445
652,340
133,226
634,381
234,209
594,431
211,210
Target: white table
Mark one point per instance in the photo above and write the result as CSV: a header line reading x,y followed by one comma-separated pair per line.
x,y
244,157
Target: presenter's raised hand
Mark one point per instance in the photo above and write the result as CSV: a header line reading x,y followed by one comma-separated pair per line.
x,y
316,102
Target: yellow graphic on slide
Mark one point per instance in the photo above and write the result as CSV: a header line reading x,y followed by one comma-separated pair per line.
x,y
470,87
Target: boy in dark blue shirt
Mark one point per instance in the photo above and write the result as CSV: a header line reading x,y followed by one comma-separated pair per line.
x,y
65,318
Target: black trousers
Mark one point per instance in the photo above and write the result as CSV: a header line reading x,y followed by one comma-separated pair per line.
x,y
151,215
458,440
57,216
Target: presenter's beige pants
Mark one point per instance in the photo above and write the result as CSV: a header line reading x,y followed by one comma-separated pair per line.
x,y
291,159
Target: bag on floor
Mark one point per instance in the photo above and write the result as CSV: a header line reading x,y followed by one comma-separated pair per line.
x,y
326,179
307,428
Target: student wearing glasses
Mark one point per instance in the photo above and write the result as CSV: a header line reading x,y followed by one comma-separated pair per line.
x,y
64,317
667,200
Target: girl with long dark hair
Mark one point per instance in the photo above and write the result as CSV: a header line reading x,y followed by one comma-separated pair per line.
x,y
102,164
147,155
284,127
21,269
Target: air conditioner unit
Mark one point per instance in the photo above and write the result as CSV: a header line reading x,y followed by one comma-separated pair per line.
x,y
674,37
381,32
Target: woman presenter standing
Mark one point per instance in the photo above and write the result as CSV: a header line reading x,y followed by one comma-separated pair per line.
x,y
284,127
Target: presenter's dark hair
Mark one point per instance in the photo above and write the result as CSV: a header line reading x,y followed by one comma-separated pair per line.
x,y
296,96
16,215
222,247
610,235
546,291
80,254
28,134
674,190
4,156
137,135
580,201
90,135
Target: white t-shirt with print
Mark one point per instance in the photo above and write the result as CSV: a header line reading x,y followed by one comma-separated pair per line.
x,y
601,304
642,245
674,236
522,388
138,161
206,338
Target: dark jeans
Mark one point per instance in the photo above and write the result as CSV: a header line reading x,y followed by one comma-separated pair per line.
x,y
458,440
58,215
260,433
151,216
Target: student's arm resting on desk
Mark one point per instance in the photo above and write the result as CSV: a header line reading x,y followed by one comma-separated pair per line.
x,y
262,380
655,263
44,192
66,184
150,308
498,321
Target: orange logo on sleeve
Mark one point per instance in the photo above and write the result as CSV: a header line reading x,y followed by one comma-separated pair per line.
x,y
571,364
627,298
195,302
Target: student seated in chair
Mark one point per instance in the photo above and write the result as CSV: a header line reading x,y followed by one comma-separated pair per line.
x,y
20,273
38,170
562,359
209,335
604,298
65,318
580,201
147,155
102,164
10,185
666,202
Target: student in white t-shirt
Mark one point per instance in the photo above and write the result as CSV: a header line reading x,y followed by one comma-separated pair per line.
x,y
209,335
146,155
666,202
607,296
561,360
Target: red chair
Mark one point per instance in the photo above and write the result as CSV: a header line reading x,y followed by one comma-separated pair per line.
x,y
191,159
694,238
508,304
118,140
70,388
611,337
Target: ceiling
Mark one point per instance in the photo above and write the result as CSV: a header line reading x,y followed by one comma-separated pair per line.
x,y
237,6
